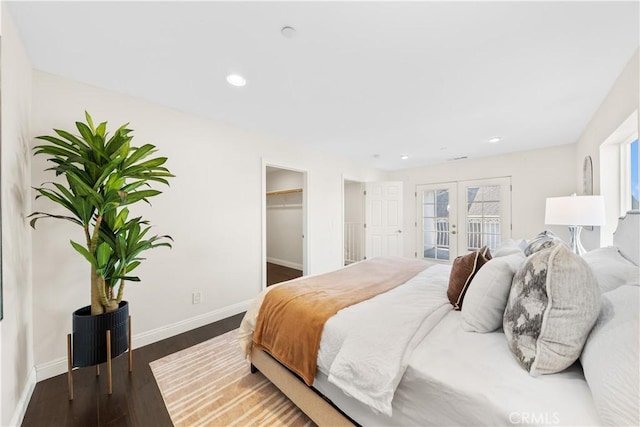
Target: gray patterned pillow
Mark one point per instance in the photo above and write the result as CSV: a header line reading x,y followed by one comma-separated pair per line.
x,y
543,240
553,304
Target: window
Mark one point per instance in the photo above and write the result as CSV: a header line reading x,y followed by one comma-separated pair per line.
x,y
618,155
629,176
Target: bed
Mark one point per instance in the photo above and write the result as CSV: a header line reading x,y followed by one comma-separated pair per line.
x,y
439,373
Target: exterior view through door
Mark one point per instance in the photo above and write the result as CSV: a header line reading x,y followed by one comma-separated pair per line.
x,y
457,217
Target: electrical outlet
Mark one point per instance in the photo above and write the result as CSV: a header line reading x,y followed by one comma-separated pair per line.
x,y
196,297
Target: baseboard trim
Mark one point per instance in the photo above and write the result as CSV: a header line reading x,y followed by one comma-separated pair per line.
x,y
158,334
51,368
58,366
23,403
285,263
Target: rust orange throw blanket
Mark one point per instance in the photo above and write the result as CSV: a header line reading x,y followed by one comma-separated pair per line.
x,y
293,315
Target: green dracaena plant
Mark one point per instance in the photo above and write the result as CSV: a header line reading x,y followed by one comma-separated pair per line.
x,y
104,174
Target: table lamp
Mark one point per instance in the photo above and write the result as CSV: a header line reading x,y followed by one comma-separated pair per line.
x,y
576,212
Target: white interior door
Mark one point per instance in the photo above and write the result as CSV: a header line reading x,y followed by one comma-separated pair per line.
x,y
437,221
383,219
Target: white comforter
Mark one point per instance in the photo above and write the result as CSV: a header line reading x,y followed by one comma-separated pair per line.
x,y
365,348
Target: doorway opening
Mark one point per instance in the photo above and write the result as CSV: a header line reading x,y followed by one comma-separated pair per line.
x,y
354,217
284,224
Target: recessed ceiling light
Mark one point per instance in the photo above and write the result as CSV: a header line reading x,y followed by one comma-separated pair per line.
x,y
236,80
288,32
404,157
494,140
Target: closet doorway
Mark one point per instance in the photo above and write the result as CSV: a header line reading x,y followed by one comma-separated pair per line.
x,y
284,224
354,218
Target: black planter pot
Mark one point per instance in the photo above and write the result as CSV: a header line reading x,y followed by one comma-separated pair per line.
x,y
90,338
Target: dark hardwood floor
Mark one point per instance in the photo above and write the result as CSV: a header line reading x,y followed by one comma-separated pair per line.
x,y
136,399
277,273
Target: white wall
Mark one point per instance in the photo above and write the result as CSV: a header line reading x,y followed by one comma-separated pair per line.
x,y
353,201
17,376
535,175
284,218
212,210
610,189
619,104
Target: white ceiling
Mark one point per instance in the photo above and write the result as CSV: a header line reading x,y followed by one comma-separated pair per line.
x,y
433,80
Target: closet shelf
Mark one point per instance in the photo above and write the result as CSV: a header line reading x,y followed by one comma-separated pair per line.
x,y
275,193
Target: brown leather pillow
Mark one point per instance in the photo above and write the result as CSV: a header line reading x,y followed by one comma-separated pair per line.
x,y
462,272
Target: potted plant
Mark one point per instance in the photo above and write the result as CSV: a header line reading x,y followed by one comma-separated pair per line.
x,y
102,176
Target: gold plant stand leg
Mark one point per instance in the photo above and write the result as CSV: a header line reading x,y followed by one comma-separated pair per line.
x,y
109,384
130,348
69,367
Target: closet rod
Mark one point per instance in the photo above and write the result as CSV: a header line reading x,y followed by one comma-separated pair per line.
x,y
275,193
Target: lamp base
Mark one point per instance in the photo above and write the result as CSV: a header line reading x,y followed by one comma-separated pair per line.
x,y
575,244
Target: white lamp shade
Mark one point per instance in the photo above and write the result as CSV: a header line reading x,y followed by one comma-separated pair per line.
x,y
575,210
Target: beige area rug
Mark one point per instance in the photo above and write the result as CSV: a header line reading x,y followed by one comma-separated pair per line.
x,y
210,384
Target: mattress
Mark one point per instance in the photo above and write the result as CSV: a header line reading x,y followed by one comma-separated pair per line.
x,y
464,378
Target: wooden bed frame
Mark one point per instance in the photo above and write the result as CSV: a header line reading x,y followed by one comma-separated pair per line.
x,y
310,401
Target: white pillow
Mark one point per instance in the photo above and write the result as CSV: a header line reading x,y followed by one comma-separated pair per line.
x,y
487,295
611,269
510,247
553,304
610,358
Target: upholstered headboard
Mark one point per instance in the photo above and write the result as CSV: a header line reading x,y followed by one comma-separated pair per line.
x,y
627,236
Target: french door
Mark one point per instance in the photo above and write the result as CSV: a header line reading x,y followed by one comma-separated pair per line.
x,y
437,221
457,217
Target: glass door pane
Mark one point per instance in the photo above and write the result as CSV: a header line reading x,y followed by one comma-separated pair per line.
x,y
437,230
486,207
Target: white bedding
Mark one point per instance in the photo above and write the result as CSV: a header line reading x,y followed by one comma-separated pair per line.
x,y
464,378
392,323
365,348
452,377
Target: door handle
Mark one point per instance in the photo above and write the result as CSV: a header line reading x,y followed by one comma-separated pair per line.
x,y
399,231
